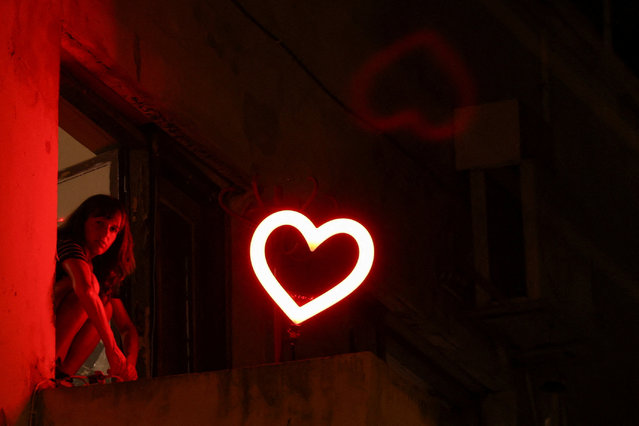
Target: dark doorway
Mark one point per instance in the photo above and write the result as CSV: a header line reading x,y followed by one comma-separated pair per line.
x,y
190,329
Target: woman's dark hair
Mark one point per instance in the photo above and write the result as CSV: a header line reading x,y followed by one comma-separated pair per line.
x,y
118,261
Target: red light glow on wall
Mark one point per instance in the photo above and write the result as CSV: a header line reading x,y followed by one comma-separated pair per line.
x,y
412,119
314,237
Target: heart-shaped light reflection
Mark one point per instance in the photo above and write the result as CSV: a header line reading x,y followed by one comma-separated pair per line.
x,y
314,237
445,57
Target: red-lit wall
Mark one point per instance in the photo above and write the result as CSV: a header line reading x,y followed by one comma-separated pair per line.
x,y
29,64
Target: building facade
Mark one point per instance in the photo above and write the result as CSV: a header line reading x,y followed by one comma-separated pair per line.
x,y
490,148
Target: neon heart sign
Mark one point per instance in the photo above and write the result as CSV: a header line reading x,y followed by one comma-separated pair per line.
x,y
314,237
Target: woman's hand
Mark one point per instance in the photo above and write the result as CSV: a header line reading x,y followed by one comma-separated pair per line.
x,y
117,362
127,374
131,372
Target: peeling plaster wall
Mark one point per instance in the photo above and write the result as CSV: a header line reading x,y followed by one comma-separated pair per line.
x,y
29,64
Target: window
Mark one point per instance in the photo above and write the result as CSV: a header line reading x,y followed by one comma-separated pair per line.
x,y
502,203
189,295
177,294
82,170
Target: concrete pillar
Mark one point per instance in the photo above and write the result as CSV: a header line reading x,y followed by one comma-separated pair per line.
x,y
29,79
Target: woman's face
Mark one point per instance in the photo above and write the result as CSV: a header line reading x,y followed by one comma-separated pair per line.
x,y
100,232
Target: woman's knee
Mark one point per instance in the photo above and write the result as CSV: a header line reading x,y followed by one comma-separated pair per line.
x,y
70,315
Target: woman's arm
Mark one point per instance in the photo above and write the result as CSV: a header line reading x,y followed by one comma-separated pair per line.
x,y
130,340
87,288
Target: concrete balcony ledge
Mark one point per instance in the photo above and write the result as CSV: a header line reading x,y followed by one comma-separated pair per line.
x,y
351,389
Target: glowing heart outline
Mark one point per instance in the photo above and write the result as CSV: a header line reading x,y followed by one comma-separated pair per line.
x,y
314,237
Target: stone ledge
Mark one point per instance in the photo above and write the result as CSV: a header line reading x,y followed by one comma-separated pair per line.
x,y
351,389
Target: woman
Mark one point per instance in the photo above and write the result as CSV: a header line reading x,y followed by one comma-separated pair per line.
x,y
94,255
